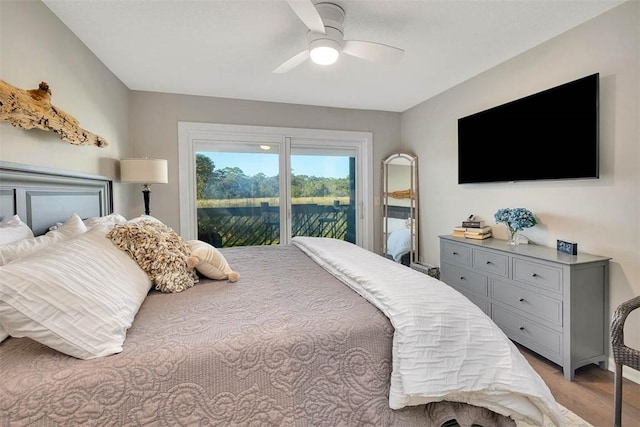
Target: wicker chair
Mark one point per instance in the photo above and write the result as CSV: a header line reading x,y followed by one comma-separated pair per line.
x,y
622,354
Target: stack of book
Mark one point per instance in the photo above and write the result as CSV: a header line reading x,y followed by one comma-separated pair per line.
x,y
472,230
459,231
479,233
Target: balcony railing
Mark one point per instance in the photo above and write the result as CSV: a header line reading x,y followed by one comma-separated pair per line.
x,y
251,226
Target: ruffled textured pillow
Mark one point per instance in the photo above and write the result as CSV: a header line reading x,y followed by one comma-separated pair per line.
x,y
159,251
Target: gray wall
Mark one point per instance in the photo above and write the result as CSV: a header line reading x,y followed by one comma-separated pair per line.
x,y
37,47
154,128
602,215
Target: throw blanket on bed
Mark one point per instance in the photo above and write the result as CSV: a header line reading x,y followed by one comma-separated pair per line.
x,y
444,347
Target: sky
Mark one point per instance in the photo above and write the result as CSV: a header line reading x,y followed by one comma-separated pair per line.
x,y
254,163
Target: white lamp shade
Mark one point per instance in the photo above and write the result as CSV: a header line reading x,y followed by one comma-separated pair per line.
x,y
145,171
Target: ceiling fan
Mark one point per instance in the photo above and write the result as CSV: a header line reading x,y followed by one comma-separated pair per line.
x,y
326,38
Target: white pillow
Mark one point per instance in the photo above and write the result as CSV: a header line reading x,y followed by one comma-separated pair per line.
x,y
110,219
144,218
77,296
71,228
399,243
13,230
396,224
3,334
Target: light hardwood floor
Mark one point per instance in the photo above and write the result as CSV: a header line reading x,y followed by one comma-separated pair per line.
x,y
590,395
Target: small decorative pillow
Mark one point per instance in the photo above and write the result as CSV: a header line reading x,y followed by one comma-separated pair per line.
x,y
210,262
13,230
159,251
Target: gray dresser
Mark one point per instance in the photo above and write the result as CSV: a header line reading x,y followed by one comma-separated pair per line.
x,y
550,302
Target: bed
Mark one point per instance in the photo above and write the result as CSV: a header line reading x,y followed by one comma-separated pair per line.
x,y
296,341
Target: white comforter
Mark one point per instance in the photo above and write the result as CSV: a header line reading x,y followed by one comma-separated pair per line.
x,y
444,347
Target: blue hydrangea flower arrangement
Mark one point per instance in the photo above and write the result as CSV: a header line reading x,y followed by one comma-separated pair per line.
x,y
516,219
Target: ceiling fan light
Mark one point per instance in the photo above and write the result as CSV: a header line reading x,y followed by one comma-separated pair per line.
x,y
324,55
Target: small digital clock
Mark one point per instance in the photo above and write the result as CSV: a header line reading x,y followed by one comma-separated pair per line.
x,y
567,247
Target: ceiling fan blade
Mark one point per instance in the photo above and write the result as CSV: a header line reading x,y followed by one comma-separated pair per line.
x,y
371,51
306,11
293,62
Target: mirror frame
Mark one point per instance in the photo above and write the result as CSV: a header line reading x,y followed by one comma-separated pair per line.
x,y
411,160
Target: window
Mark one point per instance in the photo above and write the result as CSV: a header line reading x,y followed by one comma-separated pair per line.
x,y
248,185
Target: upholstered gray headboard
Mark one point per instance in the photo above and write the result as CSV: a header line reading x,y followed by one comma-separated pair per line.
x,y
402,212
43,196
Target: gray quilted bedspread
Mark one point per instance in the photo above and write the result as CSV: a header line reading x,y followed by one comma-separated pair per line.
x,y
288,344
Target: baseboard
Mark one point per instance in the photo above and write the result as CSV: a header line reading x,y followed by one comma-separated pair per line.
x,y
627,372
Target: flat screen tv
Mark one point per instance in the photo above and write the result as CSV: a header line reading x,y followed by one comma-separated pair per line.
x,y
549,135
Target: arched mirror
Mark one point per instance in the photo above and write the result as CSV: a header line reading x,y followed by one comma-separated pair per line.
x,y
400,208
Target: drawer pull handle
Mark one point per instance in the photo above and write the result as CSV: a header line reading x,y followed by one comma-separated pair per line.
x,y
534,275
521,328
462,278
455,253
521,300
489,262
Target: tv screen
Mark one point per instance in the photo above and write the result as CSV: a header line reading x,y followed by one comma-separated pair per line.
x,y
548,135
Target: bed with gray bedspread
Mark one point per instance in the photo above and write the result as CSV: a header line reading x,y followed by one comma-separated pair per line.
x,y
286,345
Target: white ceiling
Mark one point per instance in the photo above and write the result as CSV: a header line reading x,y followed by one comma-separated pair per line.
x,y
228,48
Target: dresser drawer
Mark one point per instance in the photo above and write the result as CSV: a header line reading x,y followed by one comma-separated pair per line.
x,y
491,262
527,301
540,275
465,280
538,338
456,253
482,303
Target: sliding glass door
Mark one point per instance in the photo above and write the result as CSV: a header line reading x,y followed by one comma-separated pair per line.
x,y
263,188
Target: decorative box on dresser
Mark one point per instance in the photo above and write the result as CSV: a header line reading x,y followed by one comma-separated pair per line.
x,y
553,303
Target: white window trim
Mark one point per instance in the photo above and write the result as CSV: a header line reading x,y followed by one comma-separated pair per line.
x,y
192,133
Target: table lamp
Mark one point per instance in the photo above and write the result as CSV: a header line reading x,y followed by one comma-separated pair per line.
x,y
145,171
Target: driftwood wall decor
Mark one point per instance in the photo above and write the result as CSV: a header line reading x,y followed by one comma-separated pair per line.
x,y
401,194
28,109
